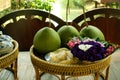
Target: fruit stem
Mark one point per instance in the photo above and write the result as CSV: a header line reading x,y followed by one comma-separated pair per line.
x,y
84,14
49,19
67,11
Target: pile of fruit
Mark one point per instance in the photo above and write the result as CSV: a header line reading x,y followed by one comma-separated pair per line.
x,y
53,44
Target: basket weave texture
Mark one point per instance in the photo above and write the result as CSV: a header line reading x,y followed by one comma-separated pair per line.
x,y
9,58
69,70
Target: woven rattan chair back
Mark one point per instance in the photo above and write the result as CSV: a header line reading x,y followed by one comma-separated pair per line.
x,y
106,19
23,24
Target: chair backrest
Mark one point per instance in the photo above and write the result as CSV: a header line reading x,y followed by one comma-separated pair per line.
x,y
106,19
22,25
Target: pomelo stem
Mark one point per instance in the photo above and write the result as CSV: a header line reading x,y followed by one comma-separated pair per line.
x,y
49,19
85,17
67,11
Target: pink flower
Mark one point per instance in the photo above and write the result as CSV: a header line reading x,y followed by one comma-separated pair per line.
x,y
110,49
90,49
73,41
70,44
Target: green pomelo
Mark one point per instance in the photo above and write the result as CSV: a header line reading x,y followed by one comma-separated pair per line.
x,y
46,40
92,32
66,33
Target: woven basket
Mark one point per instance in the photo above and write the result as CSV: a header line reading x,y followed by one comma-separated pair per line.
x,y
69,70
9,58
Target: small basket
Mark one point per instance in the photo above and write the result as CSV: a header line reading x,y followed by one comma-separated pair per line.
x,y
69,70
9,58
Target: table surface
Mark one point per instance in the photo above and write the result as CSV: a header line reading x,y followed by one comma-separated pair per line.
x,y
26,70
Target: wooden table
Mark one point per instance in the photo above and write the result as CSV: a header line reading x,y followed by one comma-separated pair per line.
x,y
67,71
9,61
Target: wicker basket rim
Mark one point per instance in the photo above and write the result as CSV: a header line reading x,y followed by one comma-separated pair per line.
x,y
64,65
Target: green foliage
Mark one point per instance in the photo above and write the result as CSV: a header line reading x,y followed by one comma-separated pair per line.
x,y
81,3
74,4
113,5
6,11
23,4
36,4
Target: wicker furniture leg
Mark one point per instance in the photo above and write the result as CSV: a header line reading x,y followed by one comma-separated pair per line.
x,y
37,73
62,77
107,72
81,70
40,74
97,74
15,70
9,61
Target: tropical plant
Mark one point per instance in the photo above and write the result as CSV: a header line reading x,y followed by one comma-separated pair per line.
x,y
36,4
23,4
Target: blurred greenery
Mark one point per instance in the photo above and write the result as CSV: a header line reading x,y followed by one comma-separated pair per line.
x,y
23,4
36,4
113,5
47,5
76,7
75,3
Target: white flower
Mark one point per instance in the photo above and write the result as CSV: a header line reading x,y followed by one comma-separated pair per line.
x,y
84,47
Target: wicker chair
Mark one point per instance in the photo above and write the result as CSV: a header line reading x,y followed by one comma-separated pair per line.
x,y
9,61
23,24
65,72
106,19
42,66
